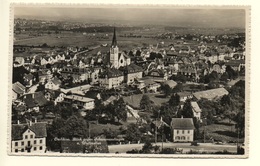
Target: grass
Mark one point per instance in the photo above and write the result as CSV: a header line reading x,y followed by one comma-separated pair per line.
x,y
221,132
134,100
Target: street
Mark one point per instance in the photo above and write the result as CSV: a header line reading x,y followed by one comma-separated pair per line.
x,y
208,147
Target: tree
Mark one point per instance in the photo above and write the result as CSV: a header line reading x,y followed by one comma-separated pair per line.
x,y
240,123
187,110
133,133
174,100
120,111
146,103
147,147
166,89
76,127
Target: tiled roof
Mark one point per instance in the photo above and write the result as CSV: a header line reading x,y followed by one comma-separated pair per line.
x,y
211,94
132,68
111,73
18,88
38,128
182,123
195,106
171,83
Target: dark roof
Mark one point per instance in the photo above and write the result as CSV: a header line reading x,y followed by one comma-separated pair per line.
x,y
114,42
38,128
92,94
132,68
182,123
35,99
111,73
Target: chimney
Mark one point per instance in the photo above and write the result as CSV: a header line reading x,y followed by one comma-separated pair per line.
x,y
18,121
30,123
33,95
35,120
182,117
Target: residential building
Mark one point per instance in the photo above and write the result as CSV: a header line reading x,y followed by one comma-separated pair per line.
x,y
196,110
80,101
29,138
17,90
111,78
182,129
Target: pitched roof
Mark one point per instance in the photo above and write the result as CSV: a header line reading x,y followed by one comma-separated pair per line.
x,y
92,94
38,128
195,106
79,98
171,83
182,123
18,88
132,68
111,73
211,94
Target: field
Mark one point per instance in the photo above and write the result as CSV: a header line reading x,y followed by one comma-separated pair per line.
x,y
221,132
134,100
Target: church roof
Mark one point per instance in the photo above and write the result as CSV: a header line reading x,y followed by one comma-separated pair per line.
x,y
114,41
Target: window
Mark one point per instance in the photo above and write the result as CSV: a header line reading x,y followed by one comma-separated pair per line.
x,y
34,141
16,150
26,137
16,143
31,136
183,131
22,143
35,148
40,141
22,150
177,131
188,131
40,147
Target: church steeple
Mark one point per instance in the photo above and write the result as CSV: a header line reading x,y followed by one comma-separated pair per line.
x,y
114,42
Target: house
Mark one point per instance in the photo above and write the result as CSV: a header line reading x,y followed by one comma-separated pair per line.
x,y
182,129
53,84
34,101
159,73
184,96
196,110
210,94
17,90
80,101
151,85
54,95
29,138
170,83
111,78
44,74
80,90
132,72
77,74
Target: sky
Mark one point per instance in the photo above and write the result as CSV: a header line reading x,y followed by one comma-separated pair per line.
x,y
155,16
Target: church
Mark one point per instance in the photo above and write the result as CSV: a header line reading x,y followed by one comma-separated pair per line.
x,y
121,69
117,59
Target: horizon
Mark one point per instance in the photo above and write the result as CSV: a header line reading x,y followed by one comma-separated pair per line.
x,y
206,18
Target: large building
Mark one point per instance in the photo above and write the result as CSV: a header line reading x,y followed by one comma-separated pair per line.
x,y
29,138
182,129
117,59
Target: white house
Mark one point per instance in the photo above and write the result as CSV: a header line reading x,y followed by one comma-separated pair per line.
x,y
29,138
196,110
182,129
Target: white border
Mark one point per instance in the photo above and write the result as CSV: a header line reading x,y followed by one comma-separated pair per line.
x,y
4,84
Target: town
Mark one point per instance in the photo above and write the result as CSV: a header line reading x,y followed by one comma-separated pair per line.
x,y
100,88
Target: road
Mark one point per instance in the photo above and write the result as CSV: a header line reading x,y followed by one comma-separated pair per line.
x,y
208,147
